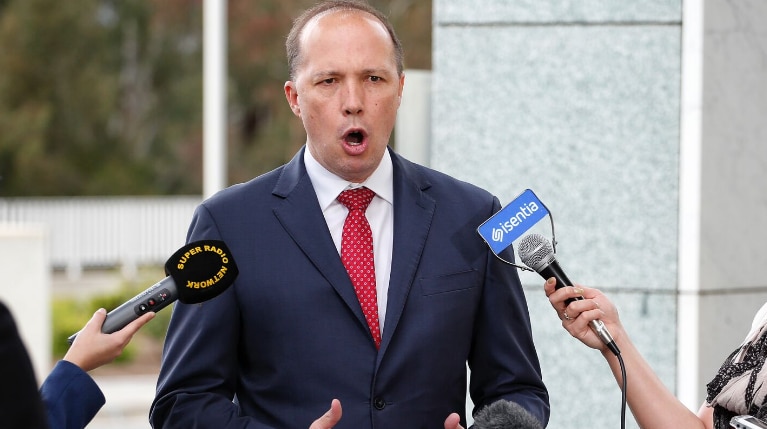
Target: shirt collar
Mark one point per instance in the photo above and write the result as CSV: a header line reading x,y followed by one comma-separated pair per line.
x,y
327,185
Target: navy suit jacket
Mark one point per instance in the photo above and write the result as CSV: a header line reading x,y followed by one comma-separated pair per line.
x,y
72,398
289,335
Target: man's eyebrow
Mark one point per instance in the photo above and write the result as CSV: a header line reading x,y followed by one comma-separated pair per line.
x,y
377,71
324,74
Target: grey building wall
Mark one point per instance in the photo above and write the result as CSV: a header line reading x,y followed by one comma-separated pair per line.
x,y
639,125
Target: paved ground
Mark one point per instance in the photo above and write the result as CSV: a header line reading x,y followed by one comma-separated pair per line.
x,y
128,400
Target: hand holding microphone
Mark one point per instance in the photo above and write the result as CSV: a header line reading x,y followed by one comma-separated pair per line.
x,y
94,348
536,252
197,272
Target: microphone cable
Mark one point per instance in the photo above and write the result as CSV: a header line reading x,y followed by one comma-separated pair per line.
x,y
623,389
614,348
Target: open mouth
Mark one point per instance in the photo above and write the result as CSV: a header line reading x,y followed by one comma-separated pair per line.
x,y
354,137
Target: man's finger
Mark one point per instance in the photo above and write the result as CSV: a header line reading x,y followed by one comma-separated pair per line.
x,y
330,418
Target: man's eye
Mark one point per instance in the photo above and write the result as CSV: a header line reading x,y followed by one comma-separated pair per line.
x,y
375,79
328,81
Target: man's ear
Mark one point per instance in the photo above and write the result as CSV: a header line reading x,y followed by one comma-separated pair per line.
x,y
292,96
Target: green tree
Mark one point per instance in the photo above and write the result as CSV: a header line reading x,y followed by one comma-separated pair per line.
x,y
99,97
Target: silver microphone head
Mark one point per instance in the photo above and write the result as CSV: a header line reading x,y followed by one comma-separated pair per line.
x,y
535,251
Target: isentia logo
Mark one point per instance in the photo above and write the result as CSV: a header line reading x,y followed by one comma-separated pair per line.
x,y
515,220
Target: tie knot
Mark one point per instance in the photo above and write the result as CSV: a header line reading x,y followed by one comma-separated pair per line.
x,y
356,199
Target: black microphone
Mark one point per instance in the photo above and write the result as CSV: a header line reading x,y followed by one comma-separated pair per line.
x,y
537,253
197,272
503,414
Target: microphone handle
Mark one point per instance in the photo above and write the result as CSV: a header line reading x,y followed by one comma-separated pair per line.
x,y
554,270
157,297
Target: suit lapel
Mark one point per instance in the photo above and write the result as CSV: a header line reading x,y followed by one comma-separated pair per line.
x,y
413,214
300,215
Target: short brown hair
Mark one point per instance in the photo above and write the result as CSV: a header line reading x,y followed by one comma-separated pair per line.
x,y
292,44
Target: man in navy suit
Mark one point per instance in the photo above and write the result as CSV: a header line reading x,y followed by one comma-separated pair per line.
x,y
290,337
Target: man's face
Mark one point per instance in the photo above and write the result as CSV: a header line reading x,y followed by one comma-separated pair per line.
x,y
346,91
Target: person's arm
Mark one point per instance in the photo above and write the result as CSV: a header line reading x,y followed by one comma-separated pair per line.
x,y
70,395
200,368
198,374
503,361
651,403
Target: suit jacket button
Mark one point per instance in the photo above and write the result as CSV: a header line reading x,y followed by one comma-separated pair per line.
x,y
379,403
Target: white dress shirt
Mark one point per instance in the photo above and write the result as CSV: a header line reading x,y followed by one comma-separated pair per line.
x,y
379,214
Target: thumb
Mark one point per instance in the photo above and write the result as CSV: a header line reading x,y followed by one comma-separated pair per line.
x,y
330,418
96,320
453,421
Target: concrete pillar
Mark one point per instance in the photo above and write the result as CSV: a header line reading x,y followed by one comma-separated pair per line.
x,y
413,128
25,289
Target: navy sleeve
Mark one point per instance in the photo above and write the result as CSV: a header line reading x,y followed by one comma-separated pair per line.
x,y
72,398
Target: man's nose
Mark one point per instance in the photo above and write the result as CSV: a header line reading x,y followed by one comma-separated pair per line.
x,y
353,99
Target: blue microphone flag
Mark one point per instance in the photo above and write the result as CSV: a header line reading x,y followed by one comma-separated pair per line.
x,y
512,221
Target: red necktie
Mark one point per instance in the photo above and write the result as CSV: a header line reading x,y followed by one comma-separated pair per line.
x,y
357,255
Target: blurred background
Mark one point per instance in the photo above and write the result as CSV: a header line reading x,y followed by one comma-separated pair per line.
x,y
639,124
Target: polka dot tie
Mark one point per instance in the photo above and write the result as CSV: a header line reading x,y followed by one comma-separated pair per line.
x,y
357,254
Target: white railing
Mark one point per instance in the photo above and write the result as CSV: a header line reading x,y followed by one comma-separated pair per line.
x,y
97,232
